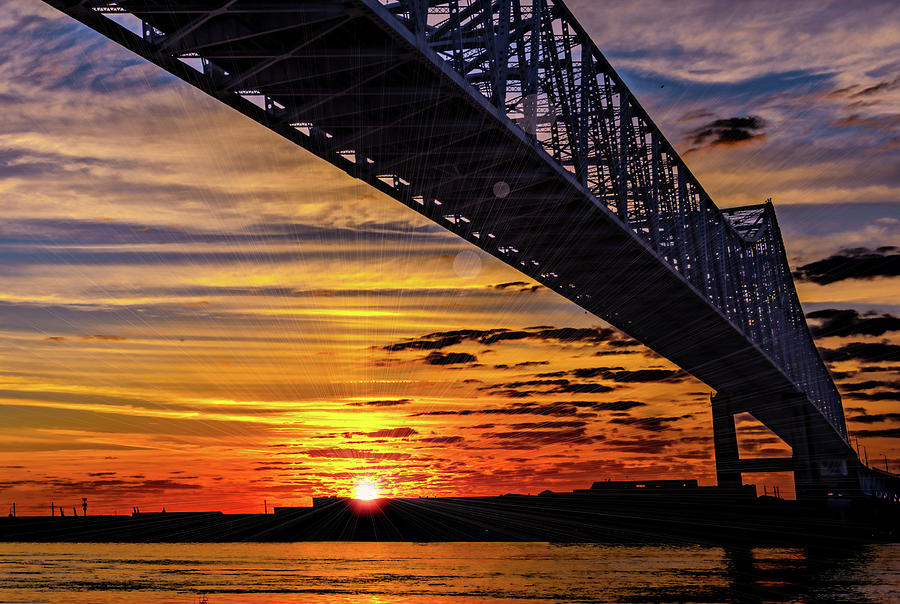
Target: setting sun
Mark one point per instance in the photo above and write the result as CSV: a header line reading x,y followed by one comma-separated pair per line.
x,y
365,491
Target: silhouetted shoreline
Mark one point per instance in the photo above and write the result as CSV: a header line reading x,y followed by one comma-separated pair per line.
x,y
704,515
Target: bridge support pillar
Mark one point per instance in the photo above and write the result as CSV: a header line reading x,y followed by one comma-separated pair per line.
x,y
728,474
808,482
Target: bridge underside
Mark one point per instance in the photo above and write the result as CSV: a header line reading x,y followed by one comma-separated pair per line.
x,y
343,79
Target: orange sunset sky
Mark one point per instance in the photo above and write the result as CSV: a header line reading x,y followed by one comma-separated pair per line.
x,y
196,314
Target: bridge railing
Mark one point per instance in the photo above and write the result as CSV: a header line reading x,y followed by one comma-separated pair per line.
x,y
535,63
880,484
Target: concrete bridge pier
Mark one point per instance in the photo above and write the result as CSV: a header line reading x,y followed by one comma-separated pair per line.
x,y
728,474
809,483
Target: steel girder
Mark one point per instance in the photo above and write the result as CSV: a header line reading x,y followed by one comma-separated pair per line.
x,y
534,61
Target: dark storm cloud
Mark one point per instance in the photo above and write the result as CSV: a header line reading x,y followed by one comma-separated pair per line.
x,y
623,343
886,433
875,418
848,322
565,386
340,453
523,364
512,393
547,425
582,389
618,406
450,358
385,433
869,352
621,375
728,131
531,438
843,375
443,440
515,409
855,263
880,369
509,284
875,396
563,335
857,91
435,341
558,409
651,424
548,386
518,286
590,372
566,335
385,403
526,383
607,353
648,375
870,385
883,86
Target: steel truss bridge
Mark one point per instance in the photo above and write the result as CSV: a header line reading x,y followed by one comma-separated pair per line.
x,y
501,121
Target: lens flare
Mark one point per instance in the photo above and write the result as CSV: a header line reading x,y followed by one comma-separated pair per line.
x,y
365,491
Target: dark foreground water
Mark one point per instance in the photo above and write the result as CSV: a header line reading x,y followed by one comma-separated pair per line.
x,y
442,572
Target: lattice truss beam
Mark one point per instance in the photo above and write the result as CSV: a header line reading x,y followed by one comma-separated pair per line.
x,y
534,63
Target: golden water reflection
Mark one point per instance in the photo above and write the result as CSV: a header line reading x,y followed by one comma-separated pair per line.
x,y
382,573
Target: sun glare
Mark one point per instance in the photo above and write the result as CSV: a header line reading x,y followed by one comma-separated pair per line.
x,y
365,491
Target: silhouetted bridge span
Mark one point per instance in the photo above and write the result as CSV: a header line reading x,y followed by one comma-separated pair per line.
x,y
502,121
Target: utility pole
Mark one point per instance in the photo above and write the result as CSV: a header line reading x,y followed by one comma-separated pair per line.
x,y
883,455
266,503
52,510
84,506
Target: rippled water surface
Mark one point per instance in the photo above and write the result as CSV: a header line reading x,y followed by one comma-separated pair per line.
x,y
442,572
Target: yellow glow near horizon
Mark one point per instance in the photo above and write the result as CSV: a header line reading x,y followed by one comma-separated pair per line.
x,y
365,491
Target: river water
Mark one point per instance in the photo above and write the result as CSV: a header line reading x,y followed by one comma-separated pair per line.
x,y
442,573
